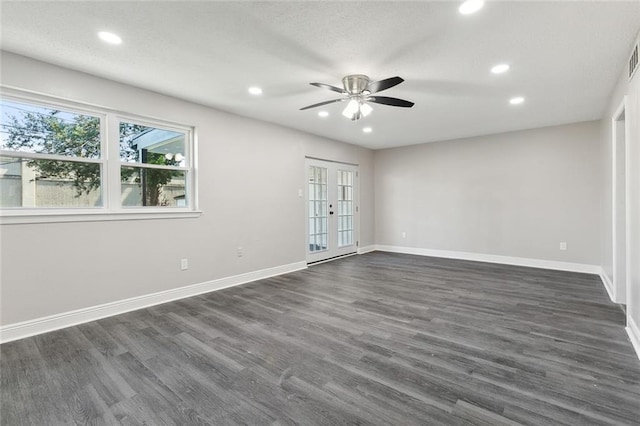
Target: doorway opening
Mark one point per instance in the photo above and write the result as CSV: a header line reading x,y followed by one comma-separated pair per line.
x,y
332,211
620,213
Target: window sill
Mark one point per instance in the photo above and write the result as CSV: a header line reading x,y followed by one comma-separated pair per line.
x,y
56,216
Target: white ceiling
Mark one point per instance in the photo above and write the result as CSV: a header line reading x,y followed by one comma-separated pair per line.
x,y
565,58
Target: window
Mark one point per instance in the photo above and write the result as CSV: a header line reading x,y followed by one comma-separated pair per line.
x,y
154,172
55,160
50,157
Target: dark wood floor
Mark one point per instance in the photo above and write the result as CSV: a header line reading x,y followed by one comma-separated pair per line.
x,y
372,339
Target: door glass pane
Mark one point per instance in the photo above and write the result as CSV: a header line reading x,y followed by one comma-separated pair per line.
x,y
317,209
312,195
345,208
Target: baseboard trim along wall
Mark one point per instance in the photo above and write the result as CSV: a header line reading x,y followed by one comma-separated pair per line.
x,y
634,334
608,285
366,249
494,258
24,329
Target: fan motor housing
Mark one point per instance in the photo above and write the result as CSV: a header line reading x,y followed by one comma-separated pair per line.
x,y
355,84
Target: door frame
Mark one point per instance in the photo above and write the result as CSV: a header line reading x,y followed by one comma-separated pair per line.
x,y
621,287
356,208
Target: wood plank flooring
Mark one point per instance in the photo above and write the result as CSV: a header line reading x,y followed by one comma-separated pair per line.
x,y
373,339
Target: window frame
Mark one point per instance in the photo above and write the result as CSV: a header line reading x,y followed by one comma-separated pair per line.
x,y
110,164
188,133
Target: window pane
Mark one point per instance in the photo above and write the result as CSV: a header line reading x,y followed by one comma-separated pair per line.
x,y
348,238
150,145
312,195
345,209
153,187
31,128
49,183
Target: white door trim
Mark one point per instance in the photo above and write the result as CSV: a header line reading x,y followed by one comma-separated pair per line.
x,y
334,251
620,288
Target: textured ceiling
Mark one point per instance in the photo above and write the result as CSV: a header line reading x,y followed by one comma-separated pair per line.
x,y
565,58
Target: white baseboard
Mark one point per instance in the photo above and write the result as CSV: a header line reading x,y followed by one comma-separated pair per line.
x,y
493,258
366,249
634,334
608,285
24,329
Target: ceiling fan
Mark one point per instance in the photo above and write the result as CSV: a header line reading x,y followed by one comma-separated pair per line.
x,y
359,91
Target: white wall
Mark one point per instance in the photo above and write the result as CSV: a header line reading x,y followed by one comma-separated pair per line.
x,y
515,194
249,173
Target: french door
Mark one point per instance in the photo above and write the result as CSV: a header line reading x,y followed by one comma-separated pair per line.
x,y
332,210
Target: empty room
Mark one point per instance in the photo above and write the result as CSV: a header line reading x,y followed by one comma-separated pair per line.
x,y
319,212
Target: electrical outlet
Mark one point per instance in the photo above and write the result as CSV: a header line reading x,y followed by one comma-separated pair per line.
x,y
404,234
563,245
184,264
239,252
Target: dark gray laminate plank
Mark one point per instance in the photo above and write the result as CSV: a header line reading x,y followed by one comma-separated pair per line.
x,y
374,339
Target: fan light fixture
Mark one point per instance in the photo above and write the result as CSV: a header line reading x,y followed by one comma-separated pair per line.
x,y
356,109
351,109
365,109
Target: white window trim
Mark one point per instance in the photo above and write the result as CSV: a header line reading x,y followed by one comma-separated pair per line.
x,y
83,215
112,208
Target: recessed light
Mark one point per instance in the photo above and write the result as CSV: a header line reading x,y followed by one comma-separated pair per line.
x,y
110,38
255,90
500,68
516,101
367,130
323,114
470,6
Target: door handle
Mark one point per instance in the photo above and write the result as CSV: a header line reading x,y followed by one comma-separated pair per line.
x,y
330,212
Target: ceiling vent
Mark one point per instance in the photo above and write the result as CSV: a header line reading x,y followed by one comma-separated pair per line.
x,y
633,59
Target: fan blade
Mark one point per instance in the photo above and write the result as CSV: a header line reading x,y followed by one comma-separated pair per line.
x,y
324,103
385,100
387,83
330,87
